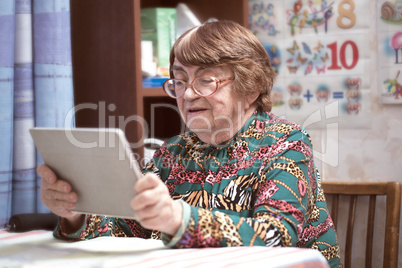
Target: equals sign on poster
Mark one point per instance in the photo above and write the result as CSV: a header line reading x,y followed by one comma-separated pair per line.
x,y
338,95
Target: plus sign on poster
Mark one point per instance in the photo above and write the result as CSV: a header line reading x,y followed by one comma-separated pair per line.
x,y
326,56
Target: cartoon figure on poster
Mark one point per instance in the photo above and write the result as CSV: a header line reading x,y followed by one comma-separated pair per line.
x,y
295,101
392,12
295,89
262,19
392,86
323,93
275,56
277,97
396,45
308,14
353,96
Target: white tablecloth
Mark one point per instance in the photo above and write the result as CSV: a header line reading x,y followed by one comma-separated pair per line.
x,y
41,249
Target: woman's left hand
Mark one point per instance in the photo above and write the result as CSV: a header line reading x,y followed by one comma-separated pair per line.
x,y
154,208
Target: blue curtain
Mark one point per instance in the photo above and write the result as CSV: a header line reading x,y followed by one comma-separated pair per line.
x,y
35,90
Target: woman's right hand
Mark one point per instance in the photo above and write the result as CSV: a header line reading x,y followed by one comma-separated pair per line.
x,y
57,195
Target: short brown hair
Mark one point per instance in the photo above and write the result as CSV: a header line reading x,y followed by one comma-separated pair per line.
x,y
228,43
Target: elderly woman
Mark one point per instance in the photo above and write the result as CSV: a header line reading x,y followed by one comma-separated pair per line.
x,y
241,176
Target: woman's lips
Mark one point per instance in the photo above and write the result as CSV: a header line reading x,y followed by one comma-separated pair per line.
x,y
193,111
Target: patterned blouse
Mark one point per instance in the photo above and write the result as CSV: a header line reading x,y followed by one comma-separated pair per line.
x,y
260,188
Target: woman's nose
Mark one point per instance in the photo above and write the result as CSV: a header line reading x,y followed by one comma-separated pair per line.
x,y
189,93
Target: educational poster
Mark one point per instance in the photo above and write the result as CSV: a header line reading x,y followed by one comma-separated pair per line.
x,y
389,25
324,52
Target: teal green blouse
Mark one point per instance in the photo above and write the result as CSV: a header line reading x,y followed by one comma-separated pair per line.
x,y
260,188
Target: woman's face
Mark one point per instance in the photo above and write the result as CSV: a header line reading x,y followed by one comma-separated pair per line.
x,y
215,118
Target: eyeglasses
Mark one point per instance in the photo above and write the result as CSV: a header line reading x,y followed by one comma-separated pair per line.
x,y
203,86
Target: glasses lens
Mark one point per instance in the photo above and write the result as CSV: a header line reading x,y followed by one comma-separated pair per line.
x,y
205,85
174,88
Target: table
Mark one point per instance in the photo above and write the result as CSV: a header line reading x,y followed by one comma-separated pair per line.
x,y
41,249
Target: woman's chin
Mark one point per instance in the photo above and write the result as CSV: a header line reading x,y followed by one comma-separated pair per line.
x,y
200,129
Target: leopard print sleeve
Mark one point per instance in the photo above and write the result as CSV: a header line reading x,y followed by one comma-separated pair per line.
x,y
96,226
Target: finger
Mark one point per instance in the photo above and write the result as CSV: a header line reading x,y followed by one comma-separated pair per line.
x,y
46,173
150,196
149,212
59,203
58,206
63,210
67,213
145,199
149,221
59,185
166,218
56,195
149,181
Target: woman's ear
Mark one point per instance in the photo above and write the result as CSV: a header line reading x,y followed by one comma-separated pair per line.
x,y
251,98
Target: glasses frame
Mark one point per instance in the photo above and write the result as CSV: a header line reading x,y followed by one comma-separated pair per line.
x,y
217,81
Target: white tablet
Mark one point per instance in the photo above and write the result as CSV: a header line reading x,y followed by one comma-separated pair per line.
x,y
98,163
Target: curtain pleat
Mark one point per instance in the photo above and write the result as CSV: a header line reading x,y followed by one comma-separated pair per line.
x,y
24,161
7,25
52,68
